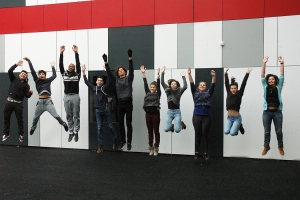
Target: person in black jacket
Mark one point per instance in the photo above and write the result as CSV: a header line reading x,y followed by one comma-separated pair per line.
x,y
101,105
233,102
71,99
152,107
123,84
18,89
45,103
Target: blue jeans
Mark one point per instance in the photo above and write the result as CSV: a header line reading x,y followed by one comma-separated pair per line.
x,y
104,113
232,125
277,117
176,116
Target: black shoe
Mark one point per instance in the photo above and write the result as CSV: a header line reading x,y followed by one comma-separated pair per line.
x,y
206,156
76,137
242,130
128,146
31,132
70,137
183,126
172,128
122,144
66,127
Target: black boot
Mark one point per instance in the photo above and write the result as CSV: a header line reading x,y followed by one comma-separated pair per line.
x,y
242,130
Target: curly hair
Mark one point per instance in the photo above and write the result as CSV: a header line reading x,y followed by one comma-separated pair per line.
x,y
173,80
270,75
117,69
232,82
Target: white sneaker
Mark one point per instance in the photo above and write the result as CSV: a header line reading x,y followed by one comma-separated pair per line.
x,y
151,151
155,151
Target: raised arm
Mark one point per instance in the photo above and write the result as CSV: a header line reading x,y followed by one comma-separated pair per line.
x,y
143,70
242,89
263,67
158,83
131,69
213,81
78,70
51,78
184,82
108,70
227,80
163,69
33,73
190,75
61,59
281,61
90,86
11,70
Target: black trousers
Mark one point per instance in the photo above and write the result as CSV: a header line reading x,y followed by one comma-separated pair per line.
x,y
202,127
125,108
18,109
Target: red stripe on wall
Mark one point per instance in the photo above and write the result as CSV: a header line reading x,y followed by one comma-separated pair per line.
x,y
137,12
173,11
245,9
118,13
207,10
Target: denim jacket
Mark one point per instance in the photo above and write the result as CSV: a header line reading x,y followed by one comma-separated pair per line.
x,y
279,89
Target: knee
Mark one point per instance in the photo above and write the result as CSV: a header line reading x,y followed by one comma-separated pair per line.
x,y
177,130
234,134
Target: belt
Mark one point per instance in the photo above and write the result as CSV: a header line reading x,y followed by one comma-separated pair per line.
x,y
12,100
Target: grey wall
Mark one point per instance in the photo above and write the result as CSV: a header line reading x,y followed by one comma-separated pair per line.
x,y
185,48
12,3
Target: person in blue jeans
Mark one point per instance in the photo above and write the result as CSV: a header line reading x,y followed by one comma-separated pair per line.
x,y
173,92
272,86
101,105
233,103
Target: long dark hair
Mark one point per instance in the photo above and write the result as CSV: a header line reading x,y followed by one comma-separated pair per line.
x,y
173,80
269,75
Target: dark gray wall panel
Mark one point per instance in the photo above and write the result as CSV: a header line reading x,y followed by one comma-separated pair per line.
x,y
244,44
140,39
14,136
185,45
12,3
216,132
2,53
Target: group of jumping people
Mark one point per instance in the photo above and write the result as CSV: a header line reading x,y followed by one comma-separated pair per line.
x,y
122,83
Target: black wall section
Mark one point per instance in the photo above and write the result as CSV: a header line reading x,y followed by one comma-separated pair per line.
x,y
107,137
216,131
12,3
140,39
14,136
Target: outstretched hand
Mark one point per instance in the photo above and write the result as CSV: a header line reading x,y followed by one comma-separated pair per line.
x,y
212,72
265,59
104,56
182,73
62,48
158,71
75,48
189,70
280,59
52,64
143,69
226,70
83,68
27,59
163,69
19,63
249,70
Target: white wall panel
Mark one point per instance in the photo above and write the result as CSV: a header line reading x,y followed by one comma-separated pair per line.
x,y
165,46
184,141
40,48
207,47
31,2
271,40
98,44
165,137
251,143
289,39
66,1
44,2
33,140
13,51
50,130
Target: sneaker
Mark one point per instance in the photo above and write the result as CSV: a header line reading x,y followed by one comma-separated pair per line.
x,y
100,148
5,137
21,138
151,151
206,156
280,148
115,145
66,127
183,126
129,146
31,131
242,130
76,137
155,151
122,144
266,149
172,128
70,137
